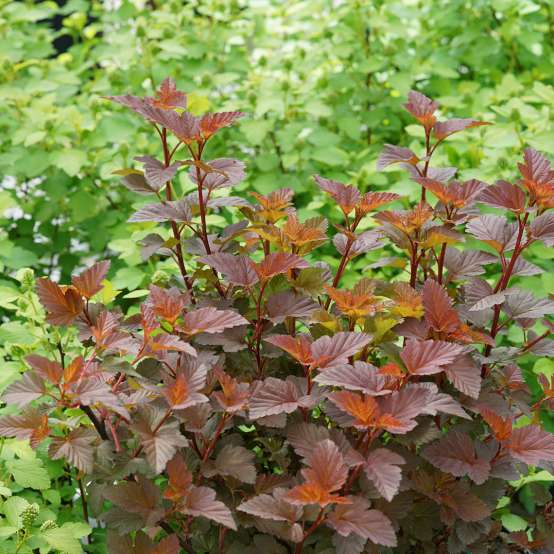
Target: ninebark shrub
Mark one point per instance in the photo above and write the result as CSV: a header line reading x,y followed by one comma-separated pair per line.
x,y
254,402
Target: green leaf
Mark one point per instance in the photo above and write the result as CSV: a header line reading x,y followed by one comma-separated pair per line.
x,y
29,473
512,523
66,537
70,160
12,510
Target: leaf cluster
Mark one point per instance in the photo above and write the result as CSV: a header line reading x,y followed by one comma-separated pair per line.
x,y
254,399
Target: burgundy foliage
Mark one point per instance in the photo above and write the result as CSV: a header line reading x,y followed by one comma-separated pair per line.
x,y
255,396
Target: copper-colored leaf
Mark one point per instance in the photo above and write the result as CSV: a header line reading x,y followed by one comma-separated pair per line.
x,y
531,445
180,479
425,357
210,320
504,195
273,396
238,270
76,448
50,371
501,426
278,263
356,518
382,470
168,96
439,313
30,387
89,282
395,154
157,174
422,108
299,347
212,122
495,230
444,129
272,507
201,501
160,442
63,305
346,196
455,454
360,376
329,351
31,424
326,473
465,375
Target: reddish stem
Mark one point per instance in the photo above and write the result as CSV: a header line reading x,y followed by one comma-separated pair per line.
x,y
174,226
311,529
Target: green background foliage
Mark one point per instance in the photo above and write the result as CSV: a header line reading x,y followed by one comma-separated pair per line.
x,y
323,85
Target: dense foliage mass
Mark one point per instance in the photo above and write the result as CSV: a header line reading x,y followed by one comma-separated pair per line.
x,y
252,402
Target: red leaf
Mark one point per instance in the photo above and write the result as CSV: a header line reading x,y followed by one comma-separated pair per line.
x,y
159,442
31,424
182,392
140,497
178,210
439,313
364,409
346,196
51,371
531,445
465,375
422,108
271,507
425,357
89,282
234,395
289,304
76,448
298,347
168,97
167,304
169,545
328,351
360,376
157,174
382,470
210,320
444,129
536,170
405,405
501,427
234,461
395,154
455,454
356,518
201,501
212,122
542,228
495,230
277,263
326,473
238,270
63,305
225,172
30,387
504,195
180,479
373,200
272,397
466,505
